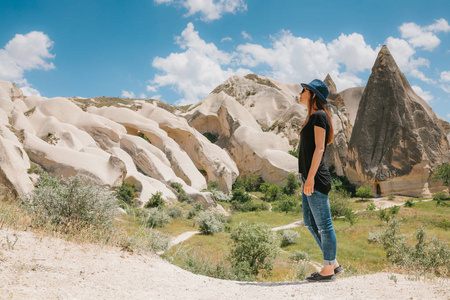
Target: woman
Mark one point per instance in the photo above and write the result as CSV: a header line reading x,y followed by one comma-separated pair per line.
x,y
316,134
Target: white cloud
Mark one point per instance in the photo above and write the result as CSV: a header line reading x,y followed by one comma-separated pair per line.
x,y
156,97
25,53
353,52
226,39
445,76
142,96
425,95
29,91
209,10
246,36
152,89
127,94
424,37
403,54
297,59
195,72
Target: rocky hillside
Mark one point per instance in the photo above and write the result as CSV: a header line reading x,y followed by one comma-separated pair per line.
x,y
385,136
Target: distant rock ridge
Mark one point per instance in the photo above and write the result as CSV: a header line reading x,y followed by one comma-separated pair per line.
x,y
397,138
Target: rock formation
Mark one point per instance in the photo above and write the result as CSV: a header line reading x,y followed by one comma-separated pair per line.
x,y
397,138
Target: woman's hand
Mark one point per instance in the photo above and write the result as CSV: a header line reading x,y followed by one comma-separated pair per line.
x,y
309,186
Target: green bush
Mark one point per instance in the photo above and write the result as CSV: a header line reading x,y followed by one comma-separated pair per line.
x,y
254,248
444,224
250,183
440,196
182,196
127,193
155,201
391,197
174,212
371,207
427,255
341,183
384,215
442,172
156,218
287,204
75,201
364,192
271,192
340,204
210,222
250,206
192,214
213,186
291,185
221,196
239,195
409,203
394,209
299,255
289,237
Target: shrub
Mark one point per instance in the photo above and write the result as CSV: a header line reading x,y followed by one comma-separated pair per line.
x,y
341,183
210,223
155,201
250,206
442,172
156,218
364,192
182,196
440,196
271,192
371,207
250,183
192,214
174,212
289,237
391,197
409,203
383,214
443,224
127,193
427,255
254,247
221,196
74,201
299,255
339,202
213,186
291,185
287,204
394,209
240,196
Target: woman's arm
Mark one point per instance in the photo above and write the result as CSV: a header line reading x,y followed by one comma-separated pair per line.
x,y
319,136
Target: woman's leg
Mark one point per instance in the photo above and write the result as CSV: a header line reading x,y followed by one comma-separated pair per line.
x,y
319,207
308,220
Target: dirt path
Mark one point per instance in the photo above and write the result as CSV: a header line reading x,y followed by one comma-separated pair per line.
x,y
49,268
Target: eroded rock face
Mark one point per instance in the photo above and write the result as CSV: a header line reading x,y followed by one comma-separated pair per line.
x,y
254,151
352,97
209,158
395,131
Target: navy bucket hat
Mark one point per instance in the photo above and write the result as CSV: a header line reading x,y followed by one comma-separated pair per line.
x,y
319,88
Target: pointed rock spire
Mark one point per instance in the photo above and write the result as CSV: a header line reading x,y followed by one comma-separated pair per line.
x,y
394,128
334,97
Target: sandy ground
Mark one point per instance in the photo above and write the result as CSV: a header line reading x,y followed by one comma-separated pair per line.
x,y
40,267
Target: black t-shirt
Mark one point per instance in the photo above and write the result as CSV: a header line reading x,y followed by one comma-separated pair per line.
x,y
322,179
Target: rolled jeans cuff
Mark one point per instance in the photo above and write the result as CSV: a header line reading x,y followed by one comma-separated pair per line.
x,y
329,262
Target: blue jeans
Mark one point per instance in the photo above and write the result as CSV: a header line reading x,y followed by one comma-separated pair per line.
x,y
317,218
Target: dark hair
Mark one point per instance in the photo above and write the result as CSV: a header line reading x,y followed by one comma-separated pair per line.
x,y
315,100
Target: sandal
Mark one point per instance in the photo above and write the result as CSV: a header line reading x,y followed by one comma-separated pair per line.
x,y
316,277
338,270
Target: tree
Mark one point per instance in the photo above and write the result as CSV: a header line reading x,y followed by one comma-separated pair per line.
x,y
255,246
442,172
364,192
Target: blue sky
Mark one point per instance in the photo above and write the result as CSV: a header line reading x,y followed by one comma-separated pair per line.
x,y
179,50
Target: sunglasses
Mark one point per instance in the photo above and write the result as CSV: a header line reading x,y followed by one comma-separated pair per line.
x,y
304,89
